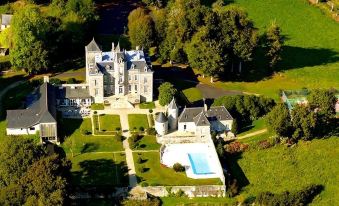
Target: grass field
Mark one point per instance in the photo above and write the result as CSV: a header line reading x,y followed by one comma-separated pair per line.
x,y
192,94
311,52
147,105
156,174
99,169
109,122
256,125
281,168
97,106
148,142
199,201
75,129
137,121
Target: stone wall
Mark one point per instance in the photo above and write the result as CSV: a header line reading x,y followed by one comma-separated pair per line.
x,y
190,191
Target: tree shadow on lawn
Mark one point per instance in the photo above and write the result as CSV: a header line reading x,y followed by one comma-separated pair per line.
x,y
231,163
89,147
100,174
67,127
292,58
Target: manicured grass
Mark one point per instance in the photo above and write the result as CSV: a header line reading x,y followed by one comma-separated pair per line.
x,y
97,106
310,56
137,121
109,122
99,170
75,129
193,94
156,174
281,168
256,125
198,201
147,105
148,142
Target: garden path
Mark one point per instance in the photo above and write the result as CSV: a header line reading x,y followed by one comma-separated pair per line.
x,y
253,134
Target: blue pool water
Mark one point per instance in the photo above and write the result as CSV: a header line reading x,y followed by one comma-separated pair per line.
x,y
199,163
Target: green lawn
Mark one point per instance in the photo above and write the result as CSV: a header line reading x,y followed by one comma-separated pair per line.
x,y
147,105
75,129
109,122
256,125
148,142
311,52
137,121
198,201
99,170
192,94
157,174
97,106
281,168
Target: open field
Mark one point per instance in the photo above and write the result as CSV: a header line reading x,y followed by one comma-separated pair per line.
x,y
137,121
281,168
75,130
310,55
109,122
99,170
156,174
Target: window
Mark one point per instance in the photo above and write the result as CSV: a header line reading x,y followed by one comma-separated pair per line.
x,y
129,77
120,79
135,77
185,127
145,68
96,92
120,90
31,128
129,88
95,82
136,88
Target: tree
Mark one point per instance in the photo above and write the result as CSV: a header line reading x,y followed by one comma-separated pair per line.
x,y
274,43
279,120
304,122
16,155
159,17
323,101
46,180
166,93
234,129
28,50
205,54
140,28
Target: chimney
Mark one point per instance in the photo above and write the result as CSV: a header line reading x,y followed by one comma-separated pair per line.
x,y
46,79
205,105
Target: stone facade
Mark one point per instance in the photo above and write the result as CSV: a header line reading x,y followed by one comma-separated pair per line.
x,y
118,74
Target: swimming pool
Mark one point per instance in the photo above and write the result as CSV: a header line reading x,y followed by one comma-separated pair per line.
x,y
199,163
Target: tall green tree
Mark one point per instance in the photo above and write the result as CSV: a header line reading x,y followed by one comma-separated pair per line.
x,y
304,121
279,120
205,54
274,44
141,32
29,31
166,93
16,156
323,101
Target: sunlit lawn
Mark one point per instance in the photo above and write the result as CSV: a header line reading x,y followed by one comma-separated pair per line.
x,y
193,94
109,122
137,121
148,142
256,125
281,168
147,105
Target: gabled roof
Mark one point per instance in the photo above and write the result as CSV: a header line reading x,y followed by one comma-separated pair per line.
x,y
68,92
93,46
6,19
219,113
201,120
189,113
41,111
172,104
161,118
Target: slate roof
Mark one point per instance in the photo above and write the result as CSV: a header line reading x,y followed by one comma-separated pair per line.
x,y
41,111
203,118
93,46
6,19
161,118
172,104
68,92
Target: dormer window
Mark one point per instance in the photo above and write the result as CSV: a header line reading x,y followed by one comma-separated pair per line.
x,y
120,60
145,68
133,66
108,67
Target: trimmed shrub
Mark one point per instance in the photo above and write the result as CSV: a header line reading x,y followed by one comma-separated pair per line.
x,y
177,167
141,129
236,147
139,160
151,131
